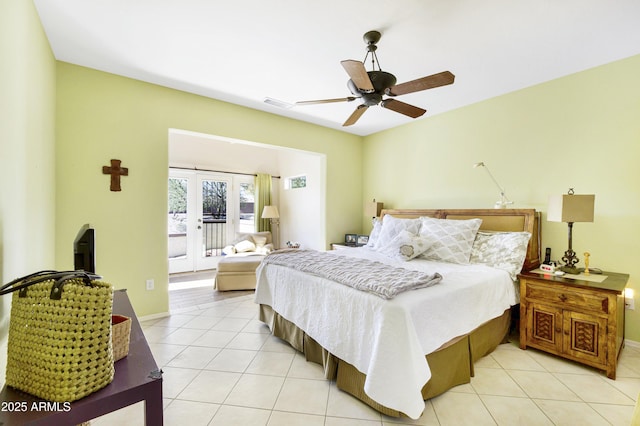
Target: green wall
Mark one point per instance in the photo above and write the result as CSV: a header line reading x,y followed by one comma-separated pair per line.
x,y
581,131
101,116
27,188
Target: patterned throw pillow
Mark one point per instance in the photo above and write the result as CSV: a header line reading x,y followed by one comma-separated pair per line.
x,y
449,240
405,246
391,226
503,250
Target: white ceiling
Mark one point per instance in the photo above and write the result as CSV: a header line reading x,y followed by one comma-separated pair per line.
x,y
244,51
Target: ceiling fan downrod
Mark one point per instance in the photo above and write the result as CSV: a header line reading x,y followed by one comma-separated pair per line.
x,y
372,38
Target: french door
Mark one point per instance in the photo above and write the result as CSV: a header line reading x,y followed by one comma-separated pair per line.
x,y
200,219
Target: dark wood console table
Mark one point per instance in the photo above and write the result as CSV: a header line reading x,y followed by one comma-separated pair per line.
x,y
137,378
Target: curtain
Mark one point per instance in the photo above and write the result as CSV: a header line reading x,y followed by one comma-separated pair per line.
x,y
262,198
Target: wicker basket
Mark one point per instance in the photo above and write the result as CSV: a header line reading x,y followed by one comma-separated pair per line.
x,y
120,335
59,346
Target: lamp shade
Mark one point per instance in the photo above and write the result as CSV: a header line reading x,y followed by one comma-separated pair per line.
x,y
373,208
571,208
270,212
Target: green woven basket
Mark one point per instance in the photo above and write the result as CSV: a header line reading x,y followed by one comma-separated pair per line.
x,y
60,349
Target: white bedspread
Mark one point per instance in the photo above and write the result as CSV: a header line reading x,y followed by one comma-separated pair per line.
x,y
388,339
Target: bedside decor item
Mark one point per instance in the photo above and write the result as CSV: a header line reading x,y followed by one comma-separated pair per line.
x,y
293,244
120,336
362,240
503,202
570,208
586,262
351,239
271,213
59,347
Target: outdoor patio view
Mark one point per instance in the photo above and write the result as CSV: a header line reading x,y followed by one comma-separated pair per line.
x,y
211,216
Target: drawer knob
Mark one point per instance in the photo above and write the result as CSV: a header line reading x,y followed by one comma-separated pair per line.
x,y
563,298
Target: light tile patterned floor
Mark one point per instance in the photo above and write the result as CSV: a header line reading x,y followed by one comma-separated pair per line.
x,y
222,367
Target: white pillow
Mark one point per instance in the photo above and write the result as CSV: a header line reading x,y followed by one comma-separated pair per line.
x,y
375,233
229,250
244,246
391,226
265,249
502,250
449,240
405,246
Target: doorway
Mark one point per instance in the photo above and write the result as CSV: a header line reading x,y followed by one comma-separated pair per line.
x,y
200,219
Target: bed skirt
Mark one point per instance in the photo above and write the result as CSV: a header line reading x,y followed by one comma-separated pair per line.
x,y
451,365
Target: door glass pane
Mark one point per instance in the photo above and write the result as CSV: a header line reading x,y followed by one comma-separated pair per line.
x,y
214,217
177,218
247,213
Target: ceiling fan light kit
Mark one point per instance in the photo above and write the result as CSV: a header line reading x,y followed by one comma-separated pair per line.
x,y
371,86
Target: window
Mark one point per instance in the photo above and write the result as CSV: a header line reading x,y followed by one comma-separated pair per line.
x,y
295,182
247,213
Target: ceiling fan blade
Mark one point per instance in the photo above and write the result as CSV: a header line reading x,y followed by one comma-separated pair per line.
x,y
326,101
358,74
403,108
356,115
424,83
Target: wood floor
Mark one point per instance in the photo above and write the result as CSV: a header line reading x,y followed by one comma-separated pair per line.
x,y
188,290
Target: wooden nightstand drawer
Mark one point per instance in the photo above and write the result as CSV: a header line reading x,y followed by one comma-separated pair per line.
x,y
569,297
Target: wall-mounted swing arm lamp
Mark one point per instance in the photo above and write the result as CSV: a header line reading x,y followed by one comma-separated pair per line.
x,y
504,201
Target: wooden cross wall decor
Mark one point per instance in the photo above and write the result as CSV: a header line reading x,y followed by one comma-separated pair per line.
x,y
115,171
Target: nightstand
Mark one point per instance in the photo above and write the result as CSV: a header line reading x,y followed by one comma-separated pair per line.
x,y
341,246
577,319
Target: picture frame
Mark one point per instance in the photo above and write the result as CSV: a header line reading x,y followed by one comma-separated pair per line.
x,y
351,239
363,240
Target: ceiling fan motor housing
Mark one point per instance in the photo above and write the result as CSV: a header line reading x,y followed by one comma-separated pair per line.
x,y
380,80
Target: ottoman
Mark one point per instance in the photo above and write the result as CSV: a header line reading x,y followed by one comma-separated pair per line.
x,y
237,272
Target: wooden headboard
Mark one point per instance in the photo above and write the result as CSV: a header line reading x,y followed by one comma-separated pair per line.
x,y
505,220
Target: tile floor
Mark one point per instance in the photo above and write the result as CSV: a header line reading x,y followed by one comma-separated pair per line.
x,y
222,367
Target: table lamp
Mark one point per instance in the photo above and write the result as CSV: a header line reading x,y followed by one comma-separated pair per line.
x,y
373,209
570,208
271,213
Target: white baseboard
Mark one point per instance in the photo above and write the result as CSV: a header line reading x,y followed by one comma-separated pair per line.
x,y
632,343
156,316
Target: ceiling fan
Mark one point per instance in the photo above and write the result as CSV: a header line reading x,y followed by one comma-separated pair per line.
x,y
371,86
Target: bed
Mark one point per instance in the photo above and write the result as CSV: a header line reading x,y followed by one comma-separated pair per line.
x,y
394,353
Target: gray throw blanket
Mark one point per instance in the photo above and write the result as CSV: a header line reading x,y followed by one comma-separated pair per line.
x,y
362,274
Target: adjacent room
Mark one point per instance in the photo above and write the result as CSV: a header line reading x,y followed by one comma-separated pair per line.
x,y
272,155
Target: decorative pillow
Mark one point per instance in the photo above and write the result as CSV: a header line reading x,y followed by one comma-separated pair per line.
x,y
503,250
391,226
260,240
229,250
244,246
375,233
265,249
405,246
449,240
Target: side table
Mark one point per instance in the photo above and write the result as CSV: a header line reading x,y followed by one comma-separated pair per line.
x,y
574,317
137,378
